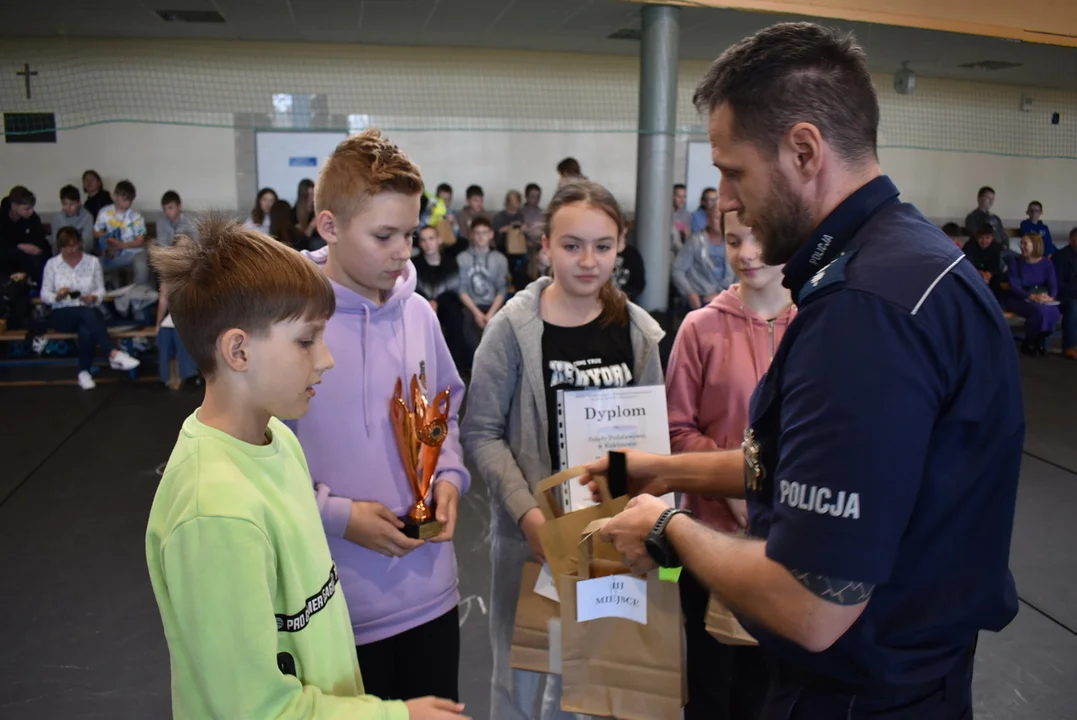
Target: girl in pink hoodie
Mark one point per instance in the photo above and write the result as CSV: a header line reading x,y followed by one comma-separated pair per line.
x,y
721,352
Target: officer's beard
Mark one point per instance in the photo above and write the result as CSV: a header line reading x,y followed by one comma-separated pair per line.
x,y
784,224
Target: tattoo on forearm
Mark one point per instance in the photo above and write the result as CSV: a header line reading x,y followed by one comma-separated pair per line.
x,y
835,590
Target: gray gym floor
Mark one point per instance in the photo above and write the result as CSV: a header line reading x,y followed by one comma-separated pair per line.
x,y
84,638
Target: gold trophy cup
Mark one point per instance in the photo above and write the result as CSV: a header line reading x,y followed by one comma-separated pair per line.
x,y
420,431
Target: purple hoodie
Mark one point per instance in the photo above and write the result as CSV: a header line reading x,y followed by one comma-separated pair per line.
x,y
348,439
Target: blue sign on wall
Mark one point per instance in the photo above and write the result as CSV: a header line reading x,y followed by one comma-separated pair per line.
x,y
302,162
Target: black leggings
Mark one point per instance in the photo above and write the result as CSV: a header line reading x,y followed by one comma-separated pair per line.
x,y
89,325
418,662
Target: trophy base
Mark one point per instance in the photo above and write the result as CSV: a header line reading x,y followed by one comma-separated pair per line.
x,y
421,530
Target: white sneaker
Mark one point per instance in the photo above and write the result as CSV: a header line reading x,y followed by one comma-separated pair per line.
x,y
85,381
123,361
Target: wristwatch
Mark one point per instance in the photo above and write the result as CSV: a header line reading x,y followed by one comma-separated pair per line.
x,y
658,545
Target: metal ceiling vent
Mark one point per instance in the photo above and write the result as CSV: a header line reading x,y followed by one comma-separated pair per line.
x,y
191,16
990,65
625,34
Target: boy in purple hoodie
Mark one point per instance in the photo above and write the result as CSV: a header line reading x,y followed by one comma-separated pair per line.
x,y
402,593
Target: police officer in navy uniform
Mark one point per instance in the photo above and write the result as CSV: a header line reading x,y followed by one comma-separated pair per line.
x,y
881,463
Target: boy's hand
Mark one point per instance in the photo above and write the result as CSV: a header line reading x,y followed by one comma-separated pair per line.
x,y
432,708
480,319
373,526
446,500
532,520
89,299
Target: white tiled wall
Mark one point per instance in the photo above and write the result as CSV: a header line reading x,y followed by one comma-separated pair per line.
x,y
496,118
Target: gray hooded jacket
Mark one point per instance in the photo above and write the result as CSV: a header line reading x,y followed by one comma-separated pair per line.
x,y
505,430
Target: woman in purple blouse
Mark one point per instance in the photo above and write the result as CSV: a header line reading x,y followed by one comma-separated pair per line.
x,y
1032,293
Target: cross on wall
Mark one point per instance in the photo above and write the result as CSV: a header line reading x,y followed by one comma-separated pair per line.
x,y
26,74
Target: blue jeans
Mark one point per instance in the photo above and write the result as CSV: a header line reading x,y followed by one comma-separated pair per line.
x,y
169,344
137,260
89,325
1069,323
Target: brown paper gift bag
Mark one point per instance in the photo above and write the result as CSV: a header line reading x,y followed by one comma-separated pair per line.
x,y
530,636
613,667
445,233
560,534
724,627
515,241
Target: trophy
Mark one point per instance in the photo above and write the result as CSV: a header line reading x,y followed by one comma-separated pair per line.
x,y
420,431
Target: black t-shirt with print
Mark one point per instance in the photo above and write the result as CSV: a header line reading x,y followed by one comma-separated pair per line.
x,y
587,356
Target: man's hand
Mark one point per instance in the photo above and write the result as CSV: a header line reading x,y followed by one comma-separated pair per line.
x,y
985,275
63,293
373,526
694,301
642,468
29,248
630,528
432,708
446,501
532,520
89,299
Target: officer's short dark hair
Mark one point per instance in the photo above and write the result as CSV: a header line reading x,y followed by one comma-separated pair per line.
x,y
474,191
796,72
70,192
126,188
984,190
170,197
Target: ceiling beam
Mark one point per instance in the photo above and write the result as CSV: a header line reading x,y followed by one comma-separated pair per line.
x,y
1048,22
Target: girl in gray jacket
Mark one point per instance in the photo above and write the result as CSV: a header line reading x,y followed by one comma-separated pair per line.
x,y
572,331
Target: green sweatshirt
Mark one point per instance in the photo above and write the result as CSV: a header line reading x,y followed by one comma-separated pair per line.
x,y
247,590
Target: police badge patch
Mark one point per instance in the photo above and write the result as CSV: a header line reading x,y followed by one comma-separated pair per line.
x,y
753,469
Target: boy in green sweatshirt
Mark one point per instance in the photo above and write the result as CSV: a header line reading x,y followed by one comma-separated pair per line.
x,y
239,563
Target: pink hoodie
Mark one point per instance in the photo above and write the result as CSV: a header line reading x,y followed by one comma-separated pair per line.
x,y
721,352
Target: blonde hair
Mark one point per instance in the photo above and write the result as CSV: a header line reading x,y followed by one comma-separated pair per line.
x,y
1037,244
236,277
362,166
591,194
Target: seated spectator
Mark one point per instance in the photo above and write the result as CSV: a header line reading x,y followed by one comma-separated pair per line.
x,y
982,215
259,217
1065,262
628,271
438,280
1032,292
174,222
701,270
121,234
986,257
953,231
511,217
97,198
1035,226
73,215
682,218
708,200
22,236
303,215
473,210
483,284
170,346
282,227
74,286
534,215
568,170
444,193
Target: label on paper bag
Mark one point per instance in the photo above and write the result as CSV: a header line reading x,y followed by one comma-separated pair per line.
x,y
545,586
613,596
553,631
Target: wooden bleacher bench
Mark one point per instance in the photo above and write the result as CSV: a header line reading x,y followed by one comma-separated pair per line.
x,y
119,331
